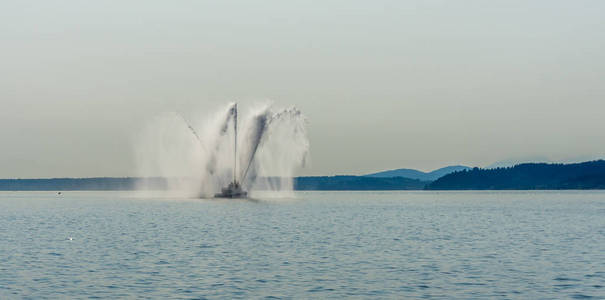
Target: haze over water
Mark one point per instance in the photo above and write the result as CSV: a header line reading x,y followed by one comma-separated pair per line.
x,y
522,245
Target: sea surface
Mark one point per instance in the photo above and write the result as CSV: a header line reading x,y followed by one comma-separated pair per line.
x,y
315,245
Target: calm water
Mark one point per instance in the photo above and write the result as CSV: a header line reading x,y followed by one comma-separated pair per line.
x,y
524,245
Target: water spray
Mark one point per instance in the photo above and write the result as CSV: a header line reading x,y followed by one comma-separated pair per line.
x,y
235,150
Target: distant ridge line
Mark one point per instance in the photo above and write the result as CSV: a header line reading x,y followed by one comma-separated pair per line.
x,y
526,176
420,175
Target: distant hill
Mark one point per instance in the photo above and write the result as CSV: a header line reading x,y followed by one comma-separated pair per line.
x,y
415,174
356,183
530,176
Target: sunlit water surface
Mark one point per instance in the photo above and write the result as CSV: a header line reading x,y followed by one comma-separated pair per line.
x,y
523,245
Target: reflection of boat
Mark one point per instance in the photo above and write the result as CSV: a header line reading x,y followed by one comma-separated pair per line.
x,y
234,189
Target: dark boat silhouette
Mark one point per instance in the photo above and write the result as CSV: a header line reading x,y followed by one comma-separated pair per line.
x,y
234,189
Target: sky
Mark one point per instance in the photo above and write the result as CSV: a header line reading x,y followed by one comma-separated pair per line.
x,y
384,84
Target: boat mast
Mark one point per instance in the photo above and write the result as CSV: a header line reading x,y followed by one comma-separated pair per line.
x,y
235,143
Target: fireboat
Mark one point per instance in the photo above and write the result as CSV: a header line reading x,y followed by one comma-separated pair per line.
x,y
234,189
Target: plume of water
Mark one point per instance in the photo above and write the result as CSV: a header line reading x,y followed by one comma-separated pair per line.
x,y
199,158
256,130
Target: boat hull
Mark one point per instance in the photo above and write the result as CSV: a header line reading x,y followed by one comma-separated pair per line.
x,y
234,195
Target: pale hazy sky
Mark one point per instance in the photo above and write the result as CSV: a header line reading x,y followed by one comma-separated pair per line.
x,y
384,84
